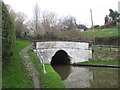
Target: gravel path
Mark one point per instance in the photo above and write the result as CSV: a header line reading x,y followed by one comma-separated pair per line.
x,y
30,67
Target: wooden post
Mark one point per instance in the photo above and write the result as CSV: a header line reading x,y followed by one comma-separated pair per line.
x,y
92,27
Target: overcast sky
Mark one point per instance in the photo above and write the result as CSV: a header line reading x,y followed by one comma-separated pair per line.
x,y
77,8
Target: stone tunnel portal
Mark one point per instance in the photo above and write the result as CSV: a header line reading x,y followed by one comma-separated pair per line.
x,y
60,58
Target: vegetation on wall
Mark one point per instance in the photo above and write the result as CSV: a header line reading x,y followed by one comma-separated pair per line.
x,y
8,33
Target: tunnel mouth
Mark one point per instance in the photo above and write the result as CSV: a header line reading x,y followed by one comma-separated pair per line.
x,y
60,58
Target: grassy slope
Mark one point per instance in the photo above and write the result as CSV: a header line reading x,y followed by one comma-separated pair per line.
x,y
49,80
111,32
14,72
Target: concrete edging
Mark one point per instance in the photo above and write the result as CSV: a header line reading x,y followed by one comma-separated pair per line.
x,y
95,65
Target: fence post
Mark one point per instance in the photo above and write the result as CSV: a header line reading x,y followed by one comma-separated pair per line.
x,y
100,47
110,47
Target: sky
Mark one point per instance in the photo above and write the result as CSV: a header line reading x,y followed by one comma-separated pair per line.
x,y
80,9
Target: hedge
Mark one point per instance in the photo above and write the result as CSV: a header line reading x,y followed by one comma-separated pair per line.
x,y
8,33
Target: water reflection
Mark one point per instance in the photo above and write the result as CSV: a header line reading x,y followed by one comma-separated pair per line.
x,y
88,77
63,68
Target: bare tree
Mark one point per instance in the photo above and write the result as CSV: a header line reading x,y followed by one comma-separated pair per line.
x,y
20,16
31,26
20,24
49,20
67,23
11,11
60,24
36,16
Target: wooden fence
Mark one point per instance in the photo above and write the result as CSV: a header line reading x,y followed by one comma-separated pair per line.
x,y
106,47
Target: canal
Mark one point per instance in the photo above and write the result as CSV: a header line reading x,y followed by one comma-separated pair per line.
x,y
87,77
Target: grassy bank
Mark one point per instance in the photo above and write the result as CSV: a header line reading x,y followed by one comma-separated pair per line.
x,y
48,80
110,32
103,36
104,57
14,74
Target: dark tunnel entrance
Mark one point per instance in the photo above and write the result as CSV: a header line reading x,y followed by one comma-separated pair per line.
x,y
60,58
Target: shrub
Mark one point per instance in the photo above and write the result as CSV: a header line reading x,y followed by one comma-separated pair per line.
x,y
107,40
71,35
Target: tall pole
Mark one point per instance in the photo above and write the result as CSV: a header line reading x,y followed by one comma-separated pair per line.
x,y
119,7
92,27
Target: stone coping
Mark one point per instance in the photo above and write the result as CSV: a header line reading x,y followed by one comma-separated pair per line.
x,y
97,65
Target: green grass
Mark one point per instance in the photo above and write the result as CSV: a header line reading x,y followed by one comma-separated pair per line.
x,y
14,72
100,63
48,80
52,76
105,48
110,32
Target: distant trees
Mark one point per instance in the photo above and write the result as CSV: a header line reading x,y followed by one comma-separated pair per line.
x,y
67,23
8,33
19,21
106,19
45,25
20,26
43,21
11,11
112,18
48,21
114,15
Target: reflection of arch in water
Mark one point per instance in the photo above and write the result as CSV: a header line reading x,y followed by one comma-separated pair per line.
x,y
80,77
60,58
63,70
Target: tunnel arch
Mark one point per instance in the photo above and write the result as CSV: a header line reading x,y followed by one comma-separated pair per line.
x,y
60,58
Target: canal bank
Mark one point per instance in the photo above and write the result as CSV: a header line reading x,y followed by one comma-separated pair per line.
x,y
105,55
102,58
97,65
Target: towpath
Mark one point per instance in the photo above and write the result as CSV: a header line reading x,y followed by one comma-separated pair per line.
x,y
30,67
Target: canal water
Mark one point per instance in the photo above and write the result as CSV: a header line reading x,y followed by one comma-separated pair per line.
x,y
87,77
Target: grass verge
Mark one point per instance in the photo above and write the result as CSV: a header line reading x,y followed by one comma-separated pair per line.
x,y
48,80
14,73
